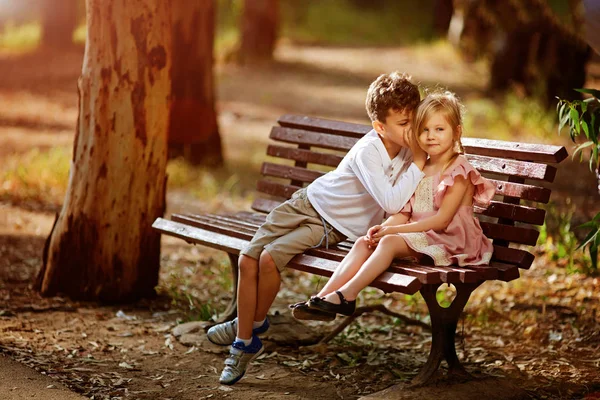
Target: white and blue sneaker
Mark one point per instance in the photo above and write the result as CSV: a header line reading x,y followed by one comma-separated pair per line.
x,y
224,334
240,356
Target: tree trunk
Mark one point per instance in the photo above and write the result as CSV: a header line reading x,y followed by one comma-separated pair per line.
x,y
260,24
59,20
442,15
193,130
102,246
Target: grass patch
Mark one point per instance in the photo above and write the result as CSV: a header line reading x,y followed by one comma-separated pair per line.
x,y
38,176
511,118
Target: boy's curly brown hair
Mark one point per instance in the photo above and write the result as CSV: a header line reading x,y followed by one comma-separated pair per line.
x,y
393,91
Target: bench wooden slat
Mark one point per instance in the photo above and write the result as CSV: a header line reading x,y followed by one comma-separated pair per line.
x,y
308,138
313,157
324,125
518,151
522,169
289,172
276,189
509,233
522,191
488,272
507,272
521,258
484,147
194,235
517,213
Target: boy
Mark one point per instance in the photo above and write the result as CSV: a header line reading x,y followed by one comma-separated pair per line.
x,y
342,203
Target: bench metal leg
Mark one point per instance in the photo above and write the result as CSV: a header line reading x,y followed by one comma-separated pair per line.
x,y
231,310
443,331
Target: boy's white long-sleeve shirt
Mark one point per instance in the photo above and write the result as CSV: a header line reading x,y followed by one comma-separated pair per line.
x,y
365,185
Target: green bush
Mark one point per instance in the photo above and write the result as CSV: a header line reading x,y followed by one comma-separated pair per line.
x,y
583,119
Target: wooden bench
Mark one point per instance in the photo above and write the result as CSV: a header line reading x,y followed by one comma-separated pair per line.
x,y
303,146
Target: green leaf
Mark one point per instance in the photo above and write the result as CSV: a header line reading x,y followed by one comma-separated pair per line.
x,y
589,224
563,117
591,237
575,120
586,129
593,92
582,146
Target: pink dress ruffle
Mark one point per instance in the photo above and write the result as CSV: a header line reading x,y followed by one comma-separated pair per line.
x,y
462,242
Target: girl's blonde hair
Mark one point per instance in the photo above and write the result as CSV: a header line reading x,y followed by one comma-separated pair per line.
x,y
447,103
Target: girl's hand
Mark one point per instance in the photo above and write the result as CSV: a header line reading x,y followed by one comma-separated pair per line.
x,y
369,237
375,233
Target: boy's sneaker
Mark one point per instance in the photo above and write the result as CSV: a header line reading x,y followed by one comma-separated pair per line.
x,y
240,356
224,334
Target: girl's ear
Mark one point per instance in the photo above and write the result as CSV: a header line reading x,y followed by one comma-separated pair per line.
x,y
378,126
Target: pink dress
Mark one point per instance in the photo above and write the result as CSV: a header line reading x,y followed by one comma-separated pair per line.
x,y
462,242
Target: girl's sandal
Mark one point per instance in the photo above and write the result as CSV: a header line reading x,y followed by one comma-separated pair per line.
x,y
304,312
345,307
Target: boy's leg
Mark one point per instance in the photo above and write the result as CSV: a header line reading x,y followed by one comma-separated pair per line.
x,y
277,254
246,295
269,281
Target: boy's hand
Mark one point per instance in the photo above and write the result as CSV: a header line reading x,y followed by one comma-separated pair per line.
x,y
419,156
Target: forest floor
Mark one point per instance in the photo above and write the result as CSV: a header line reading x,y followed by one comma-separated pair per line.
x,y
536,337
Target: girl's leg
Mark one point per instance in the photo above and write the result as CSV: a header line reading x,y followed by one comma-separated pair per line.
x,y
389,247
349,266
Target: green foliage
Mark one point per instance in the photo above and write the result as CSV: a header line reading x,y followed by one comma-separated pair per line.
x,y
335,22
558,241
179,289
582,117
341,22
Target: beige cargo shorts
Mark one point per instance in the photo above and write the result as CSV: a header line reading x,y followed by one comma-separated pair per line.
x,y
291,228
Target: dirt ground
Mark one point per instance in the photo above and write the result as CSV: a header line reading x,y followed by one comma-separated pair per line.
x,y
537,337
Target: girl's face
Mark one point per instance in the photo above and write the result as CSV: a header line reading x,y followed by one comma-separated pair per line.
x,y
437,137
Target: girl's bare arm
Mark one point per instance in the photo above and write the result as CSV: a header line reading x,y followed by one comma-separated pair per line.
x,y
454,198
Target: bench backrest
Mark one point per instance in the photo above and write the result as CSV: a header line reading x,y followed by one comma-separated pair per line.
x,y
517,169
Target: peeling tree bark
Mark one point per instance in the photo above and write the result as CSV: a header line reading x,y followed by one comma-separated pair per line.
x,y
260,24
193,131
102,246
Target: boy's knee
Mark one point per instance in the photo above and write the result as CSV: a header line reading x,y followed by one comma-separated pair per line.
x,y
247,265
266,264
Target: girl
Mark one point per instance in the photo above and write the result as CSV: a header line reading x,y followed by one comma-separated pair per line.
x,y
438,221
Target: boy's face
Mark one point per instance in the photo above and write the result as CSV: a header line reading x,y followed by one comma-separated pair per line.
x,y
396,126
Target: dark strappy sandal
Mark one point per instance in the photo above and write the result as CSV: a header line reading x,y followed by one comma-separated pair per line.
x,y
303,312
345,307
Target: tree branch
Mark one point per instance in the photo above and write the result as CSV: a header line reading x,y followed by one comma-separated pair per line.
x,y
377,307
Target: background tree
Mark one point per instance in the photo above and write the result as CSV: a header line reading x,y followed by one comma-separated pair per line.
x,y
527,44
102,245
59,20
193,129
442,15
260,25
